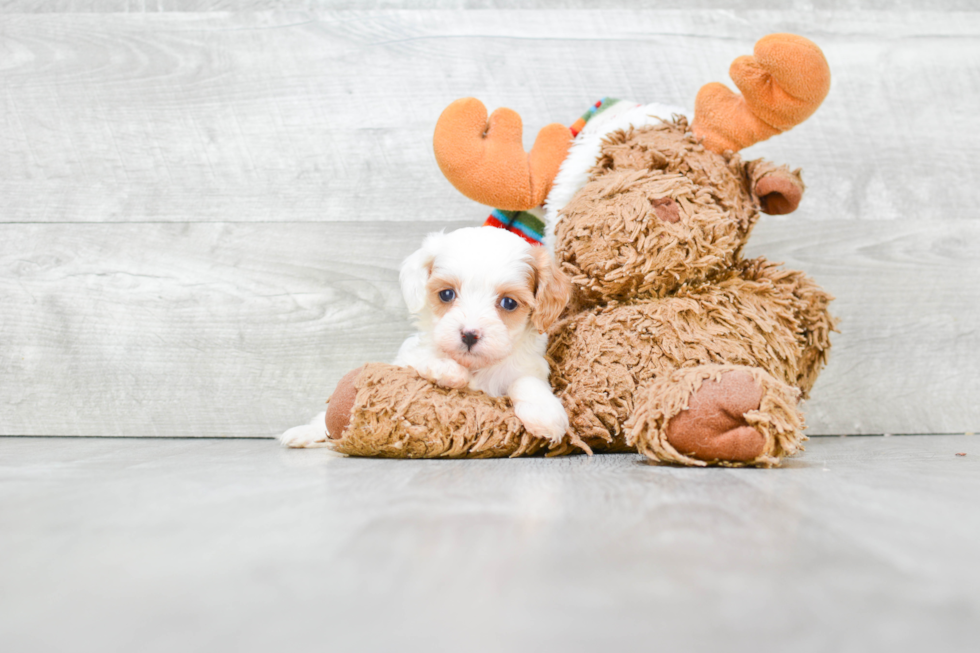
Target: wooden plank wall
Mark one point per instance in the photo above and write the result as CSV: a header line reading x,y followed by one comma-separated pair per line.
x,y
202,212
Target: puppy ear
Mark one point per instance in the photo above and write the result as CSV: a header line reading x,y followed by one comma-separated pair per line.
x,y
415,272
552,289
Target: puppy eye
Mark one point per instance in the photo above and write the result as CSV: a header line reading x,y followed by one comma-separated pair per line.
x,y
508,304
447,295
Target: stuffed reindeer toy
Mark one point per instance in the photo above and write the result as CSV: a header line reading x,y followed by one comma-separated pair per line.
x,y
672,344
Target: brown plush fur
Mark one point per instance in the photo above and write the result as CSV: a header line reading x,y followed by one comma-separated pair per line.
x,y
398,414
613,242
662,304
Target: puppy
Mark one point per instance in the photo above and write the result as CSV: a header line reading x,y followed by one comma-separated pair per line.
x,y
482,299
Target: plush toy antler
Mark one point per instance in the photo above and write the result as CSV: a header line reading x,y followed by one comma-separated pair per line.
x,y
782,85
485,159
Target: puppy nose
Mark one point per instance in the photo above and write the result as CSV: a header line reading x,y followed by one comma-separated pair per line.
x,y
470,338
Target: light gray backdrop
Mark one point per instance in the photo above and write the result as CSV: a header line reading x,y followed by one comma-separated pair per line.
x,y
202,212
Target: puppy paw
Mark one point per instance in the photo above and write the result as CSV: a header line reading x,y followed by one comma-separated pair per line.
x,y
545,419
446,373
309,435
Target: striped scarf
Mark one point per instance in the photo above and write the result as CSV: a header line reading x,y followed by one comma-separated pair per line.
x,y
529,224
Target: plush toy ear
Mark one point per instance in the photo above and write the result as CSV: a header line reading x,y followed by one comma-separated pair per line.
x,y
552,289
415,272
778,189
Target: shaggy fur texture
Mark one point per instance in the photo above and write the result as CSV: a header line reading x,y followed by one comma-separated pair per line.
x,y
663,303
774,416
660,211
586,148
398,414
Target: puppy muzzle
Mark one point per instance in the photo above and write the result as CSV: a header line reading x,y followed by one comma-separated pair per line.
x,y
469,338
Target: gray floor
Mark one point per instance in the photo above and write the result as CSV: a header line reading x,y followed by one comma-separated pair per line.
x,y
861,544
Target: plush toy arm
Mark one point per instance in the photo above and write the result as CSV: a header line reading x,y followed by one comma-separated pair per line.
x,y
782,84
392,412
485,158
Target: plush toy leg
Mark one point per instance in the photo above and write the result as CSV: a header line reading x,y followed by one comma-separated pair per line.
x,y
810,304
717,414
391,412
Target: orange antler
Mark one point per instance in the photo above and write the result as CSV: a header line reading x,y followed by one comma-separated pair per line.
x,y
485,159
782,85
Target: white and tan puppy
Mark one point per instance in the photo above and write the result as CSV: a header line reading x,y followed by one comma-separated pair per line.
x,y
482,299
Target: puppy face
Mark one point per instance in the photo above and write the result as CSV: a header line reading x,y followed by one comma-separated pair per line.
x,y
478,291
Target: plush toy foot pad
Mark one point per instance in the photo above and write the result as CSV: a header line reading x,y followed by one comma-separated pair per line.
x,y
341,404
714,427
717,415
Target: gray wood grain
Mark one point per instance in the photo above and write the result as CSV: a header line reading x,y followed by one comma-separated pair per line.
x,y
243,329
862,544
155,6
908,297
191,329
318,116
201,212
